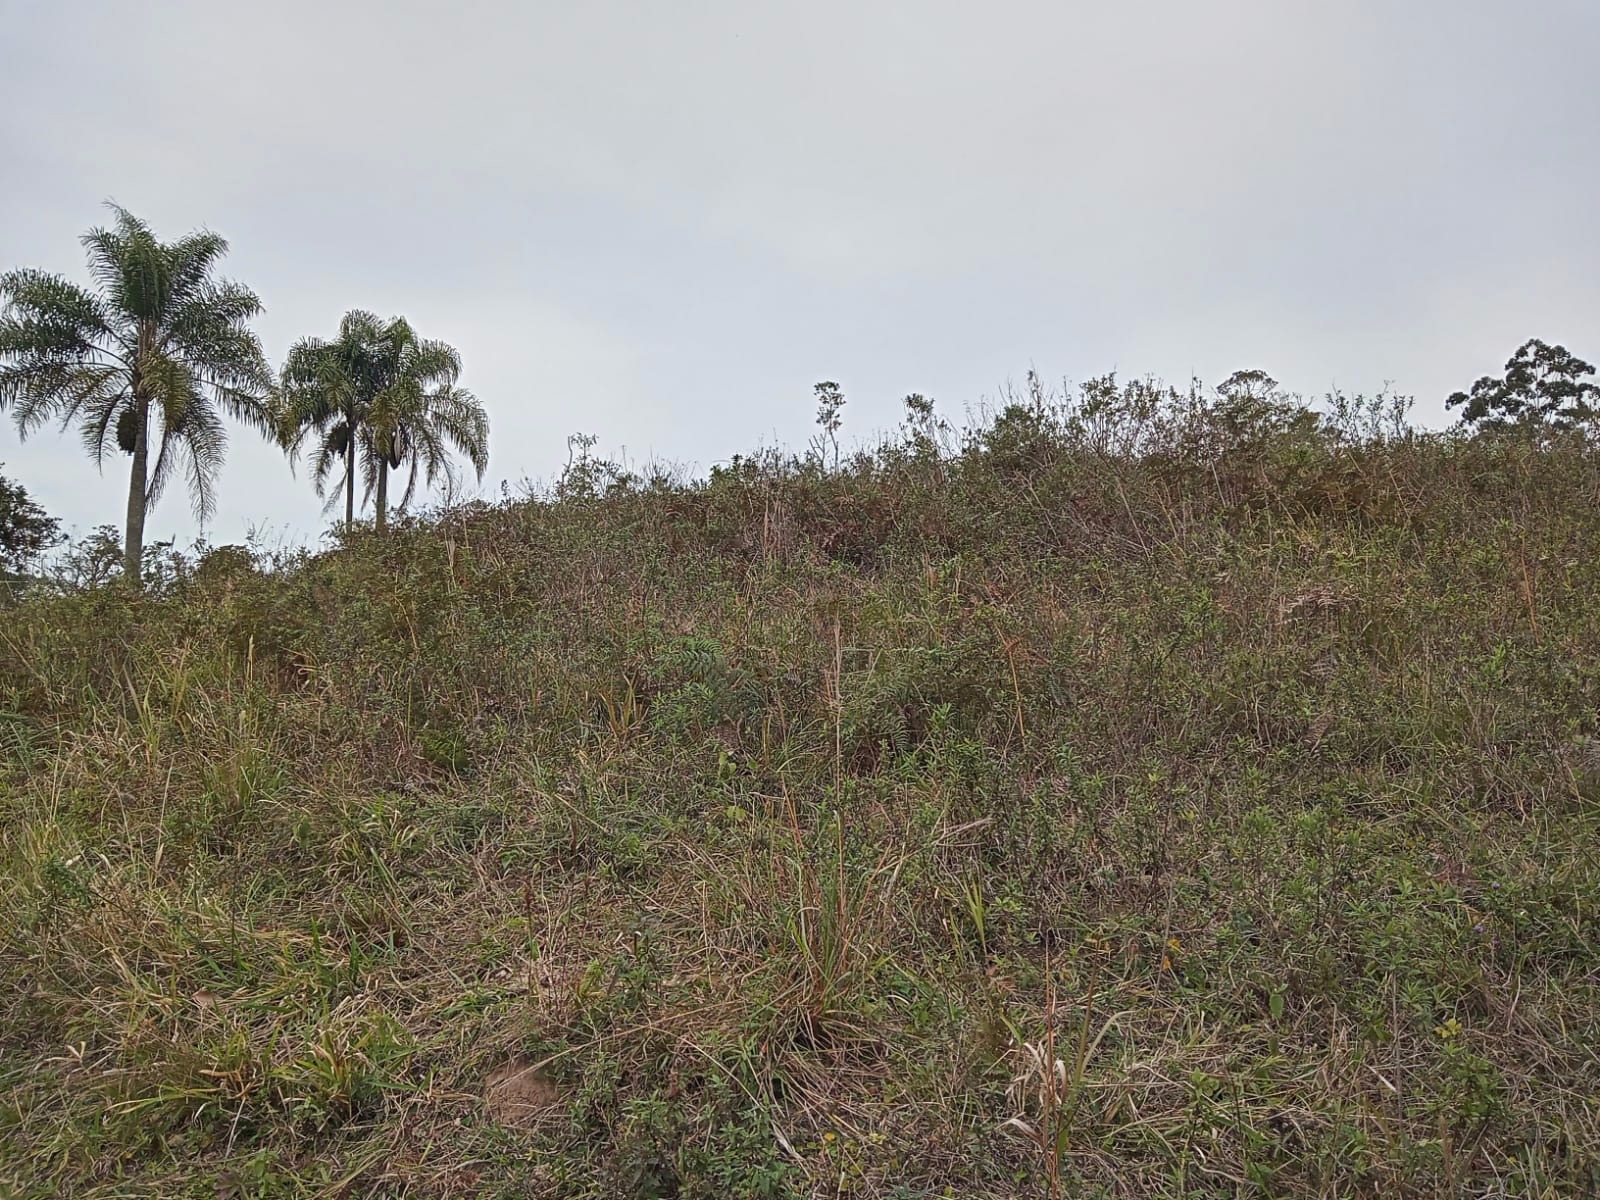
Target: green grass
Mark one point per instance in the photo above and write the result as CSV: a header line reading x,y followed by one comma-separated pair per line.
x,y
780,834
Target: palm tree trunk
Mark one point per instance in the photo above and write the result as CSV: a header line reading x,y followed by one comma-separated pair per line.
x,y
138,483
350,486
381,495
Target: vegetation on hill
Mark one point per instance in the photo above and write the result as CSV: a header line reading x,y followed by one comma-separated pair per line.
x,y
1140,794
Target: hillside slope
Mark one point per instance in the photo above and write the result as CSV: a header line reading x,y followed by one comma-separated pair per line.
x,y
776,835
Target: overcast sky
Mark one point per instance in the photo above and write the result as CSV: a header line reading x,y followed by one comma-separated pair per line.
x,y
661,223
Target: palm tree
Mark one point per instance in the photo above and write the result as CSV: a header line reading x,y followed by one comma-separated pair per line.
x,y
420,415
326,391
378,399
147,361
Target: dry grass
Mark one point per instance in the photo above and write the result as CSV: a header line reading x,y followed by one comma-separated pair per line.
x,y
1023,819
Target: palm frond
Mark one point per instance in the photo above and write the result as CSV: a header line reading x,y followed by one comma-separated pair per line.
x,y
190,261
202,440
329,453
131,266
191,434
208,331
99,430
39,300
461,420
56,348
433,364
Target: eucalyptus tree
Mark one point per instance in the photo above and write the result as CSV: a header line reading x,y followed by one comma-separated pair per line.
x,y
147,360
1544,385
375,400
